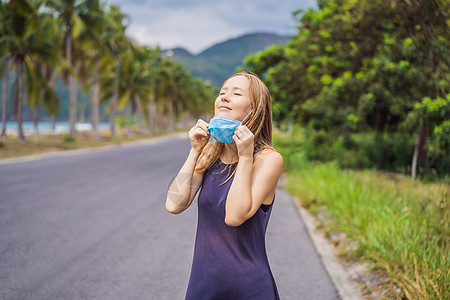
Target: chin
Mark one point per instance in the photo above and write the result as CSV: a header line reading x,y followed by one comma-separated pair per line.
x,y
225,113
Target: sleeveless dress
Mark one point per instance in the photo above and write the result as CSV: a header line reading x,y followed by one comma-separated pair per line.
x,y
230,263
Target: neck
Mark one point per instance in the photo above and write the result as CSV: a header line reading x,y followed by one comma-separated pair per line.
x,y
229,153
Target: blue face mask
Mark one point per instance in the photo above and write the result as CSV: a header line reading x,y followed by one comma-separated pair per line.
x,y
222,128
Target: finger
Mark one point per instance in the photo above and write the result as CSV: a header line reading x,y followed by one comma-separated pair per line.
x,y
201,131
204,127
200,125
247,132
200,121
241,130
197,132
245,129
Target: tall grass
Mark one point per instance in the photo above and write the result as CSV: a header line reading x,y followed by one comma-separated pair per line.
x,y
396,225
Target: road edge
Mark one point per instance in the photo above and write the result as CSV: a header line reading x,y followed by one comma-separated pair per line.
x,y
339,276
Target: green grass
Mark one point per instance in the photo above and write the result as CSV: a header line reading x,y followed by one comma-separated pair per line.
x,y
397,226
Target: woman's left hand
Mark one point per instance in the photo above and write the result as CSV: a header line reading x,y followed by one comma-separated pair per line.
x,y
244,140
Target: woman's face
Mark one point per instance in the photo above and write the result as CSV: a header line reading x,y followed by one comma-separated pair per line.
x,y
234,99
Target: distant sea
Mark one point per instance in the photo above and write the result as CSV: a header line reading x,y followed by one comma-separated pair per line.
x,y
47,126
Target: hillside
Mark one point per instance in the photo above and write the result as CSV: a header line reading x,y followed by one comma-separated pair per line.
x,y
220,61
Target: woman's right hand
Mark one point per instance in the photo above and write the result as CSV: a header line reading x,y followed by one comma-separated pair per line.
x,y
199,135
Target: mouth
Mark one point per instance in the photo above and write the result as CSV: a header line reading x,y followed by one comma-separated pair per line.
x,y
224,107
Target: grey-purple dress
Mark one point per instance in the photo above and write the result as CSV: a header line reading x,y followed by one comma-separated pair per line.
x,y
230,263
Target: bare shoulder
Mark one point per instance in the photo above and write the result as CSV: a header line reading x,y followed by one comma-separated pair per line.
x,y
270,158
267,170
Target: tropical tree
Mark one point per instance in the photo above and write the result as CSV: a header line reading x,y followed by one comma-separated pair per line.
x,y
26,42
170,74
4,75
135,87
4,56
117,43
41,88
151,110
362,65
94,45
72,14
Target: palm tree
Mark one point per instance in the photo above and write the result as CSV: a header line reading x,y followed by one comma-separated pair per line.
x,y
171,75
136,81
117,43
152,104
4,72
72,14
181,92
46,61
27,41
5,43
94,42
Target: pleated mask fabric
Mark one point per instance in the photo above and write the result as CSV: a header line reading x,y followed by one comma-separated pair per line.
x,y
222,128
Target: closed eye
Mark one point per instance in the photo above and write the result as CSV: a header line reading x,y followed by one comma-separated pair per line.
x,y
237,94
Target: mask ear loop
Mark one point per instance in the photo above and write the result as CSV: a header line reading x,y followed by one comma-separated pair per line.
x,y
246,117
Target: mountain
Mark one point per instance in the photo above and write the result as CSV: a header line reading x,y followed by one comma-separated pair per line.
x,y
220,61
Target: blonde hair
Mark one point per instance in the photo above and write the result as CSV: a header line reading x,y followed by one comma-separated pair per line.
x,y
259,122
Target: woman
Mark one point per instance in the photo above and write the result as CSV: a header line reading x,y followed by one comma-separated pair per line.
x,y
230,260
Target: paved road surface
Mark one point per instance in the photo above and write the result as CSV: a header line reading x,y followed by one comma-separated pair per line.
x,y
94,226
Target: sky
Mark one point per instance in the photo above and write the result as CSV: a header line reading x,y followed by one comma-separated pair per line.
x,y
198,24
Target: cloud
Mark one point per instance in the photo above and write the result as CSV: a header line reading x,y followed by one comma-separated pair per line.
x,y
195,25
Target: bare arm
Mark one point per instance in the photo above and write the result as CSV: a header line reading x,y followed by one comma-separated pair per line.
x,y
253,183
187,182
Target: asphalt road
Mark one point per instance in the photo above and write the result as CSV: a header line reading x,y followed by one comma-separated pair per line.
x,y
94,226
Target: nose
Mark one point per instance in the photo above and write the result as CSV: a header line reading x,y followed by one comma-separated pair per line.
x,y
224,97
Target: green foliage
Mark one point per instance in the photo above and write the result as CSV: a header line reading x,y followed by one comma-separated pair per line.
x,y
69,139
261,61
389,151
397,226
363,66
122,121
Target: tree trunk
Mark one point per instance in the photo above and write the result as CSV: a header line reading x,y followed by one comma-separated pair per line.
x,y
420,154
170,109
380,118
18,106
179,112
138,115
129,116
159,114
72,86
73,104
35,121
112,118
82,113
95,99
54,124
4,97
152,114
53,115
135,114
